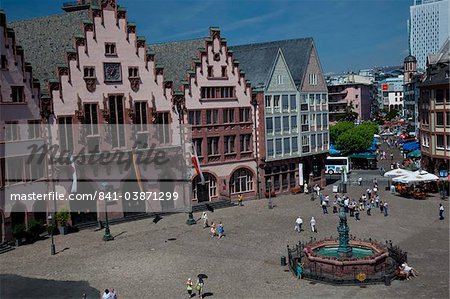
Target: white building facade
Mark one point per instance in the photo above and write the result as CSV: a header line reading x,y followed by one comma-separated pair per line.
x,y
428,28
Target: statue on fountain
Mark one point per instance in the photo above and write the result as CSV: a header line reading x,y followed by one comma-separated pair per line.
x,y
344,249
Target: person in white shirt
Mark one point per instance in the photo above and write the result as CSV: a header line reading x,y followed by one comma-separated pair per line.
x,y
313,225
441,212
298,224
113,294
107,294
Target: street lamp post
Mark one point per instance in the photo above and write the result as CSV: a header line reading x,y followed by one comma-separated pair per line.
x,y
269,184
107,236
52,246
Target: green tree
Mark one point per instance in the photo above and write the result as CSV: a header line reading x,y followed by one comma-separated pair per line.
x,y
391,114
339,128
349,114
357,139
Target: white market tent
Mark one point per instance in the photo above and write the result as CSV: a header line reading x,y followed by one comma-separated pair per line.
x,y
416,177
397,172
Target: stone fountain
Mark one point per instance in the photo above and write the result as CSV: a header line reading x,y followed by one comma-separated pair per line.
x,y
346,260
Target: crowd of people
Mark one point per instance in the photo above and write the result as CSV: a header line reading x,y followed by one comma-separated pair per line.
x,y
215,230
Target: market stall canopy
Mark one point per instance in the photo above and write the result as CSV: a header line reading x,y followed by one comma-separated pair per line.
x,y
411,146
415,153
416,177
333,150
397,172
366,155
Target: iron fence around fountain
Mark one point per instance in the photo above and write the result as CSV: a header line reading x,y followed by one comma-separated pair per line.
x,y
385,274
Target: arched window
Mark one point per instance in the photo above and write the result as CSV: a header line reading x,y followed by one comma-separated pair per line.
x,y
210,184
241,181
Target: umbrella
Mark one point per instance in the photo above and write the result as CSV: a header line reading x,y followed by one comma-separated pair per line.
x,y
397,172
415,177
202,276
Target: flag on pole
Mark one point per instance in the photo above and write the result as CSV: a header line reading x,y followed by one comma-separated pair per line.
x,y
74,176
137,172
196,164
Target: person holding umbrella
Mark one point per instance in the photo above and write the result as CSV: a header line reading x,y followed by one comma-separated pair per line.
x,y
200,284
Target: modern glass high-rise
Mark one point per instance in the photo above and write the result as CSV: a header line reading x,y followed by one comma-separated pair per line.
x,y
428,28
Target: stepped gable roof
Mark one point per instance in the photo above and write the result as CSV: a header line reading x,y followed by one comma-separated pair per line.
x,y
258,59
443,55
45,41
176,58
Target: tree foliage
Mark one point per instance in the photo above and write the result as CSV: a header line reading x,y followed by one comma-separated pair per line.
x,y
357,138
349,115
391,114
339,128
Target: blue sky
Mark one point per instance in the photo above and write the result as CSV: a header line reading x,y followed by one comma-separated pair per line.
x,y
349,34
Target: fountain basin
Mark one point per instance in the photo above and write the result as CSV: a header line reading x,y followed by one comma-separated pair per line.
x,y
332,251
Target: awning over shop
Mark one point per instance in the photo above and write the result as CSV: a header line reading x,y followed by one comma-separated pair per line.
x,y
368,156
411,146
415,153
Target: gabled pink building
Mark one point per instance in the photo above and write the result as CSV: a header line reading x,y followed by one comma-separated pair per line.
x,y
98,73
19,124
217,100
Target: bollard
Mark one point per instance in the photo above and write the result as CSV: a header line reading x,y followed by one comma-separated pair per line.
x,y
387,280
283,261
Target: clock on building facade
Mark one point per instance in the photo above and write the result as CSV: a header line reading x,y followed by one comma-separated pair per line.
x,y
113,72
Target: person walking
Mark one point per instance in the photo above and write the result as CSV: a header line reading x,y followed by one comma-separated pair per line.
x,y
106,294
441,212
298,224
220,230
299,269
324,207
189,286
240,199
205,220
327,200
305,187
313,225
369,208
212,229
357,214
385,209
199,286
113,294
359,181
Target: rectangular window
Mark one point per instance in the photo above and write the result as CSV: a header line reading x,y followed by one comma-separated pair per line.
x,y
116,119
311,99
162,120
244,115
3,62
324,98
244,141
270,147
319,122
312,79
447,119
210,71
305,144
191,117
278,146
319,141
276,103
197,144
313,142
294,145
287,145
89,72
280,79
440,141
439,118
278,124
294,123
228,144
293,102
448,141
269,125
65,133
208,117
325,121
12,130
210,93
285,124
140,111
439,96
133,72
268,101
228,116
91,119
17,94
317,99
325,141
198,117
305,125
285,102
213,146
110,49
224,71
34,129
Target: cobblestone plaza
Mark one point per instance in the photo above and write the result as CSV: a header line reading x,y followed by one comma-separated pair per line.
x,y
157,259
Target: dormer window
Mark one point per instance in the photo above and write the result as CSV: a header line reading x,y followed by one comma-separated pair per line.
x,y
110,49
133,72
210,71
89,72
